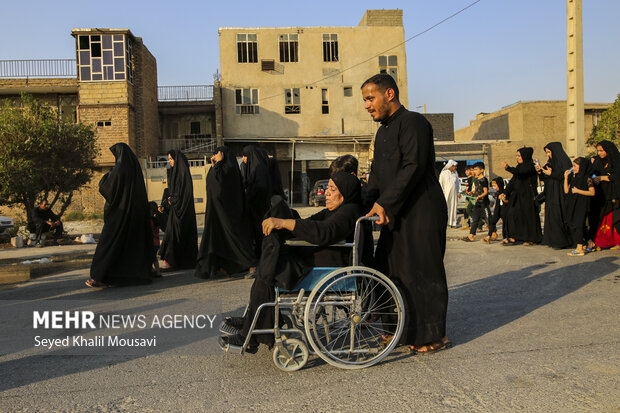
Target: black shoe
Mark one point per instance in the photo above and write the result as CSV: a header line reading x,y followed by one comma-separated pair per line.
x,y
237,340
231,325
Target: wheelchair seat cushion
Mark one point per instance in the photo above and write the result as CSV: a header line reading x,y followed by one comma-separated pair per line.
x,y
310,281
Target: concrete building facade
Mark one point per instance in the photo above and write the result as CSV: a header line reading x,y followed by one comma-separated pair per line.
x,y
296,90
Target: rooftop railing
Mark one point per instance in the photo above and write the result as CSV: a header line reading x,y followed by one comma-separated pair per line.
x,y
185,93
38,68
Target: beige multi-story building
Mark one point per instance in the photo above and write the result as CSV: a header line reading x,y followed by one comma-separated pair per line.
x,y
296,90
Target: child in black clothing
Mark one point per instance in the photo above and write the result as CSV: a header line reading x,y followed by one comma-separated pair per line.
x,y
579,187
499,211
155,218
481,208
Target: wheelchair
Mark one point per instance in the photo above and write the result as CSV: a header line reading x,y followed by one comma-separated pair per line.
x,y
351,317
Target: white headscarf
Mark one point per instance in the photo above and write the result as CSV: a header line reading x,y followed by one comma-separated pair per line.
x,y
449,165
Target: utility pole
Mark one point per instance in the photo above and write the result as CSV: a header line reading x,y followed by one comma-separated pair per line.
x,y
575,135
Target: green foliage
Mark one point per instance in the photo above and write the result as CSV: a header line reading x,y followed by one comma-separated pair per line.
x,y
78,216
42,155
608,126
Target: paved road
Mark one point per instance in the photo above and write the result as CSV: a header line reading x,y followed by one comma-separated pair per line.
x,y
533,330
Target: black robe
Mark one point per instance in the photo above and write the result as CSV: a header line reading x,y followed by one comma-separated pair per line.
x,y
285,266
523,217
180,246
556,233
411,248
258,191
610,190
125,248
226,241
577,205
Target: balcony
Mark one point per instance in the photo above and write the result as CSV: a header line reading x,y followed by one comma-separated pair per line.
x,y
39,68
190,143
194,93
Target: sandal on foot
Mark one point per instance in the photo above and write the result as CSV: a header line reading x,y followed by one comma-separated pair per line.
x,y
467,239
95,284
575,253
487,240
432,348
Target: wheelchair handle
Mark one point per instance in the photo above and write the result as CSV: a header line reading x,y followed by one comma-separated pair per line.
x,y
357,235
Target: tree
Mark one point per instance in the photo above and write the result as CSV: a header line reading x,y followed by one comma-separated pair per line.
x,y
608,126
42,155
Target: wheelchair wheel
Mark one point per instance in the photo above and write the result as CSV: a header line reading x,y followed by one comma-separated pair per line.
x,y
296,358
354,317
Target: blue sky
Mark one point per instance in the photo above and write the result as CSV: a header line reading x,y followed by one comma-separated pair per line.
x,y
492,55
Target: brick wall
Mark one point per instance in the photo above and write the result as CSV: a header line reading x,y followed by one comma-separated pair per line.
x,y
147,115
107,136
443,125
382,18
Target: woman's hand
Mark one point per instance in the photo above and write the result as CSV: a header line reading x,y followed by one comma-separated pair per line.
x,y
270,224
546,170
504,165
575,190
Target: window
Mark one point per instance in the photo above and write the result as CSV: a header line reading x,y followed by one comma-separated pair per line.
x,y
324,102
388,64
288,47
291,101
246,101
330,47
247,48
194,128
348,91
105,57
101,123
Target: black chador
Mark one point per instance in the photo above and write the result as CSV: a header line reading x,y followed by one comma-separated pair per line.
x,y
556,233
285,266
522,218
411,248
226,243
577,205
180,248
123,254
258,191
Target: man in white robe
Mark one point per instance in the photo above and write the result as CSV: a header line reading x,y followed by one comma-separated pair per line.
x,y
449,181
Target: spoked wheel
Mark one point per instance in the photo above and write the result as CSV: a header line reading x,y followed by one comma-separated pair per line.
x,y
293,358
354,317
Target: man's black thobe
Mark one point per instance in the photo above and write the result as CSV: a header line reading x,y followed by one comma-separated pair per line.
x,y
412,246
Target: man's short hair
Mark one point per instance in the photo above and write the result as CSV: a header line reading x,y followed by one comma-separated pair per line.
x,y
479,165
345,163
383,81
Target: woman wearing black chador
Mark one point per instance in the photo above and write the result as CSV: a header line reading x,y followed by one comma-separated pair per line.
x,y
180,246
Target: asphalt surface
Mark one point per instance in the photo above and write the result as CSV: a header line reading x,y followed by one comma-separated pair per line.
x,y
533,330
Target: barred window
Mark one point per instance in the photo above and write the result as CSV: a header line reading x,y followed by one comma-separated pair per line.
x,y
246,101
288,47
330,47
247,48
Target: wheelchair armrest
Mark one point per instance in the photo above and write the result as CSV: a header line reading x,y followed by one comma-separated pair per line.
x,y
294,242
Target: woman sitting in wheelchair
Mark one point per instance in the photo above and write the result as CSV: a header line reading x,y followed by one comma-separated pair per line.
x,y
284,266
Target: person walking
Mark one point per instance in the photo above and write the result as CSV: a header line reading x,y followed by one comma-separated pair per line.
x,y
450,185
412,212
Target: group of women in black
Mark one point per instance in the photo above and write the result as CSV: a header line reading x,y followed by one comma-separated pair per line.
x,y
237,200
581,200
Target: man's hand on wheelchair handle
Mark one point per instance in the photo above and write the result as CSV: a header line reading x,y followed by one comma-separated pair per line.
x,y
379,211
